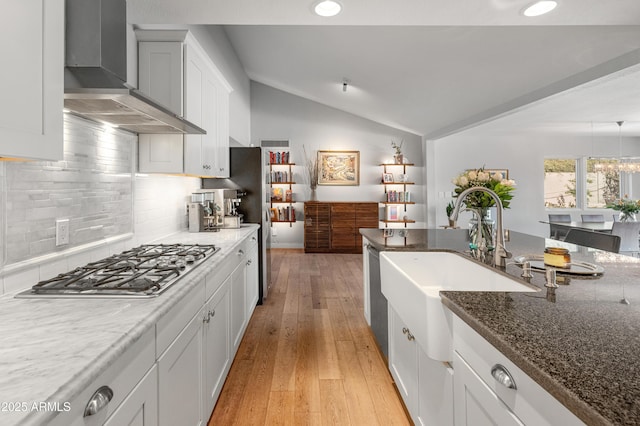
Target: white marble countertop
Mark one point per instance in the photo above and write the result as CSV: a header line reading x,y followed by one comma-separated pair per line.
x,y
52,349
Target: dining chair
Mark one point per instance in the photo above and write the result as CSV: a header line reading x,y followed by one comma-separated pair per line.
x,y
558,232
629,232
616,217
598,240
592,218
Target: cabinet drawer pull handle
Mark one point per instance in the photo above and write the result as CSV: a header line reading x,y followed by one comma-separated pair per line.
x,y
248,262
240,252
207,318
212,313
502,375
98,401
406,331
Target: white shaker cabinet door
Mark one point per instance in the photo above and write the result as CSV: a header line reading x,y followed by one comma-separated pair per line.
x,y
180,378
140,408
253,278
475,404
31,79
238,305
222,137
217,345
403,362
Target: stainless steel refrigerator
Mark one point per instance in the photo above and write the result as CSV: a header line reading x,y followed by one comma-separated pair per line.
x,y
248,171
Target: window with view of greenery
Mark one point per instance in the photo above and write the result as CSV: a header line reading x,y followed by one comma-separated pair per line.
x,y
603,183
559,183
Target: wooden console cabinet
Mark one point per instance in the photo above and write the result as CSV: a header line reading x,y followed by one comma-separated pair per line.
x,y
333,227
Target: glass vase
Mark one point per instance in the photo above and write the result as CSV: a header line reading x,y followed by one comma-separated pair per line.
x,y
627,217
482,234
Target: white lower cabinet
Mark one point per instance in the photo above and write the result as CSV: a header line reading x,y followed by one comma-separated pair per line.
x,y
481,399
426,385
180,376
475,403
238,305
174,373
253,278
217,345
140,408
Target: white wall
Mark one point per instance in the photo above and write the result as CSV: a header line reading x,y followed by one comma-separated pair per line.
x,y
277,115
523,155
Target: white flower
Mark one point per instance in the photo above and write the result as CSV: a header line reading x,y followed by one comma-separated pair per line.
x,y
463,181
483,176
472,175
497,176
508,182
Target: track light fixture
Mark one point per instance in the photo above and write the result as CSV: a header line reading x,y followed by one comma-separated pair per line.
x,y
345,83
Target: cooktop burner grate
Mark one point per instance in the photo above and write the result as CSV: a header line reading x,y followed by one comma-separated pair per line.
x,y
147,270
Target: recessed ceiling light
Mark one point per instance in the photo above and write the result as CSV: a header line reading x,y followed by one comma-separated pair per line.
x,y
540,8
327,8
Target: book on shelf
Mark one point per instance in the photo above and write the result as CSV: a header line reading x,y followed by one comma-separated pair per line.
x,y
286,214
279,157
288,196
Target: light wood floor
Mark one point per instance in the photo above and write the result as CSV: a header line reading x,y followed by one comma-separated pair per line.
x,y
308,356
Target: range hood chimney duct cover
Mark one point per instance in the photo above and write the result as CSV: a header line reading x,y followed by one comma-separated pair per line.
x,y
96,70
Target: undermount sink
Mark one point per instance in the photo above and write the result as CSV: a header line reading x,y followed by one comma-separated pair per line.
x,y
412,281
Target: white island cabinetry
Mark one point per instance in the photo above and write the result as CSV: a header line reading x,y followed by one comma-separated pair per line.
x,y
425,385
481,399
175,70
31,81
444,369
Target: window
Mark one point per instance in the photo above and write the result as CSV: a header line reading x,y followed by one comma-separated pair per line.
x,y
559,183
603,182
585,183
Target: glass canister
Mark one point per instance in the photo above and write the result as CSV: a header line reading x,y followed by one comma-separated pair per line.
x,y
557,257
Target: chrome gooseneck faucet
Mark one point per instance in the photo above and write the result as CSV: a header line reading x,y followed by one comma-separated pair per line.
x,y
500,253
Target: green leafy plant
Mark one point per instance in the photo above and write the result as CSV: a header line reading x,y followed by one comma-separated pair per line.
x,y
450,208
625,205
397,147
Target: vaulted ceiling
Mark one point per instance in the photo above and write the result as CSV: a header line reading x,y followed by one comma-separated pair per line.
x,y
434,67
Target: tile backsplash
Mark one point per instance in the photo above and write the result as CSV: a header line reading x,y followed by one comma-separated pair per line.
x,y
92,187
95,186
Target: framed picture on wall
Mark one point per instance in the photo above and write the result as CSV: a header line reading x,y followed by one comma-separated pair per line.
x,y
339,168
387,177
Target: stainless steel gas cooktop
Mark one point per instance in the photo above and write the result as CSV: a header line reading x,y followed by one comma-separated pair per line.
x,y
142,272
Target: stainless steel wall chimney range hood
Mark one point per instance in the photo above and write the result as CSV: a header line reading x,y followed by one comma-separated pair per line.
x,y
96,70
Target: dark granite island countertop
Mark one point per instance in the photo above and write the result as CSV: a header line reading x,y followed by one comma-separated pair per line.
x,y
580,344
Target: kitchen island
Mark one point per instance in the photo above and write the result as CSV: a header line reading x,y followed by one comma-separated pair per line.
x,y
54,349
578,343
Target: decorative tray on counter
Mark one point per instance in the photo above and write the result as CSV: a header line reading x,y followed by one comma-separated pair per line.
x,y
575,268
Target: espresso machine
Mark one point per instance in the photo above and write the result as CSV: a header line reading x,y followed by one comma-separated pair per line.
x,y
213,209
204,213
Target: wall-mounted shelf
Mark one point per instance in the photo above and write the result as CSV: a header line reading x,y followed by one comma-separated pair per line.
x,y
395,200
278,178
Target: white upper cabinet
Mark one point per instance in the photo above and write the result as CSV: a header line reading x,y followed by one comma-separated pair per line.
x,y
31,79
176,71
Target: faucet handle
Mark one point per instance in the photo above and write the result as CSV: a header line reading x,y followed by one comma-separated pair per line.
x,y
526,269
550,275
